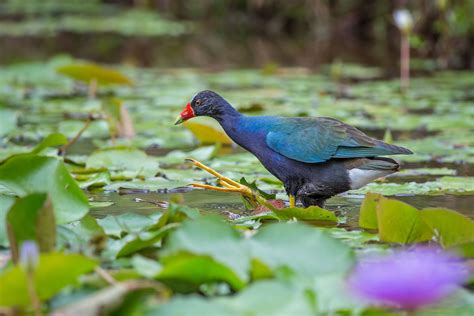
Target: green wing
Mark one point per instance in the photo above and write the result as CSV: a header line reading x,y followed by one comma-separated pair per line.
x,y
319,139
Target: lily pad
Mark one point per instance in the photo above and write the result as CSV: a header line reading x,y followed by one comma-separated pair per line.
x,y
368,211
451,185
209,236
8,121
312,213
207,132
31,218
124,159
6,201
52,140
185,273
28,173
89,71
54,272
399,222
300,248
449,227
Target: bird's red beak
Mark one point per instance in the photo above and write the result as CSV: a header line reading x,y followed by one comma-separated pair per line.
x,y
187,113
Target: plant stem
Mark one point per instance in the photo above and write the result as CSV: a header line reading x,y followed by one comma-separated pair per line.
x,y
404,61
62,150
35,301
92,92
106,276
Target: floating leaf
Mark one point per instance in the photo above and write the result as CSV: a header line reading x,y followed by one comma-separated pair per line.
x,y
426,172
31,218
6,201
122,159
450,227
83,231
301,248
368,211
312,213
118,225
208,133
253,185
147,267
54,272
28,173
210,236
399,222
52,140
451,185
89,71
134,243
185,273
8,121
97,180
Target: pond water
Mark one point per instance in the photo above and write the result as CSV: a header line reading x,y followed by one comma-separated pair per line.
x,y
231,203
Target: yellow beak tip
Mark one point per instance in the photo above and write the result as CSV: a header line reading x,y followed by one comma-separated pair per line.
x,y
179,120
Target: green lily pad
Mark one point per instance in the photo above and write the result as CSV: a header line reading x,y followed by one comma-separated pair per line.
x,y
28,173
449,227
312,213
186,272
208,132
100,179
54,272
52,140
368,211
136,242
8,121
299,247
126,223
31,218
209,236
450,185
399,222
124,159
149,268
6,201
89,71
82,232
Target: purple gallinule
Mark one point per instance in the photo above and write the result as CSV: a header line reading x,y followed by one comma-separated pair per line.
x,y
315,157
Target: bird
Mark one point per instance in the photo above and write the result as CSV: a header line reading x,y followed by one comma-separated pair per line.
x,y
315,158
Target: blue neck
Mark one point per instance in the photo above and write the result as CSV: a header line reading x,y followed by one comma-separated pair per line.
x,y
247,131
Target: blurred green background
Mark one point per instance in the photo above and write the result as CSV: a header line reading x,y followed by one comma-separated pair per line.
x,y
236,33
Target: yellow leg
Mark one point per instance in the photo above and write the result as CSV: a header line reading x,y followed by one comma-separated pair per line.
x,y
229,185
292,200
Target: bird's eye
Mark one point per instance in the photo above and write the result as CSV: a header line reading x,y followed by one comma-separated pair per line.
x,y
198,102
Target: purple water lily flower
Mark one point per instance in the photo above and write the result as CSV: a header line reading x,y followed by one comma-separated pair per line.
x,y
408,279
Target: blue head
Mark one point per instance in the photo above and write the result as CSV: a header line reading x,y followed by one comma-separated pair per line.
x,y
205,103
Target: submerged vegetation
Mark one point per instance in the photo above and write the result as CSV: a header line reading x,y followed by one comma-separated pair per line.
x,y
98,215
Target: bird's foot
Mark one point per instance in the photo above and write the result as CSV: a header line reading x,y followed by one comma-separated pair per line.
x,y
292,199
229,185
